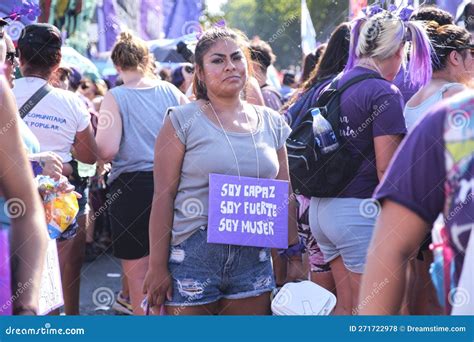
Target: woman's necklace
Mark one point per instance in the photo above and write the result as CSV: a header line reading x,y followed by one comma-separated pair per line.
x,y
230,144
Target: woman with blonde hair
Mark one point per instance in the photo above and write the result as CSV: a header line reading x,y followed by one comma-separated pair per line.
x,y
130,118
371,128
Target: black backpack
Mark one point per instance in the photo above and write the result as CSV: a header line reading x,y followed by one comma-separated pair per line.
x,y
312,173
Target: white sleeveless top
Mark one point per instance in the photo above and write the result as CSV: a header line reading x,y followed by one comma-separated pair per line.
x,y
413,114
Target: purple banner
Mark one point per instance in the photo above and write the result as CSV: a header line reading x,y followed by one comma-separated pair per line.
x,y
181,17
248,211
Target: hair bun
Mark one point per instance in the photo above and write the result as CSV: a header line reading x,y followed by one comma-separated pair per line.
x,y
126,36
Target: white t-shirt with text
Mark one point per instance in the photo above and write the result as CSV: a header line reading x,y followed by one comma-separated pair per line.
x,y
56,119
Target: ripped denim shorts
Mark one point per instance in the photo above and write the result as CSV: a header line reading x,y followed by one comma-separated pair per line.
x,y
204,272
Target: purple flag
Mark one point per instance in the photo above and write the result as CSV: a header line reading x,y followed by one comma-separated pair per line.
x,y
14,28
181,17
248,211
450,5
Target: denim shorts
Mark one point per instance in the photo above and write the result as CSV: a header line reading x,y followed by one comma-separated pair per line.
x,y
203,273
343,227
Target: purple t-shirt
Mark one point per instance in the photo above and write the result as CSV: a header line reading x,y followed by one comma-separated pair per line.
x,y
403,83
433,172
369,109
271,97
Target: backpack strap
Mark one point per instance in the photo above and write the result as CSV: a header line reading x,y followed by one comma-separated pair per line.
x,y
34,99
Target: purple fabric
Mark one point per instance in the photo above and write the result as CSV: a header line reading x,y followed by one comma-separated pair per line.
x,y
304,102
271,98
151,19
403,84
109,25
418,177
369,109
5,273
182,17
419,66
449,5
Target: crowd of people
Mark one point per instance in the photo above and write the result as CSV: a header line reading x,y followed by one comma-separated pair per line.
x,y
150,142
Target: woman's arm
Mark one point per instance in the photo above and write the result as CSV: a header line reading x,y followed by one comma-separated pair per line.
x,y
169,154
85,147
385,147
109,129
28,231
398,235
283,174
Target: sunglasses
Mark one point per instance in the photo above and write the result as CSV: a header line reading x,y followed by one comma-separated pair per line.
x,y
11,57
84,86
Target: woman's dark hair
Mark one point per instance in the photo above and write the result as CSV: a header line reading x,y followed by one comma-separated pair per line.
x,y
445,39
432,13
262,53
207,40
332,61
310,62
39,61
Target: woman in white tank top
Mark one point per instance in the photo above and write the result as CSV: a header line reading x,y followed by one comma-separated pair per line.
x,y
453,66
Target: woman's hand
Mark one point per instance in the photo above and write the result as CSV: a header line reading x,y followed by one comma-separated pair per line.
x,y
51,163
158,287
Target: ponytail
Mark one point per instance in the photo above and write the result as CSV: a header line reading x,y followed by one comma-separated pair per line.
x,y
355,32
419,68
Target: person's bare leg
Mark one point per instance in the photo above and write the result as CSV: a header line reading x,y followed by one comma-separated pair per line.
x,y
125,288
71,257
355,279
90,225
343,287
259,305
135,271
279,267
324,279
426,302
199,310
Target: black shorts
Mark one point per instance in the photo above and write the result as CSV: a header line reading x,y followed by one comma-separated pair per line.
x,y
129,201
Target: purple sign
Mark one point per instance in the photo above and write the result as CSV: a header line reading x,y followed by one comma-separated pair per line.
x,y
248,211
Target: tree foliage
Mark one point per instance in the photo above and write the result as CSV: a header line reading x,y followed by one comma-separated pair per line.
x,y
279,23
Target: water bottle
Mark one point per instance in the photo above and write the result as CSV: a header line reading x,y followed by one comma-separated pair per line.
x,y
324,136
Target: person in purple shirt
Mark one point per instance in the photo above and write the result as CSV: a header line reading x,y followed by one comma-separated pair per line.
x,y
372,126
432,173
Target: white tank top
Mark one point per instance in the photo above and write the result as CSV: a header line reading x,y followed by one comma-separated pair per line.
x,y
413,114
